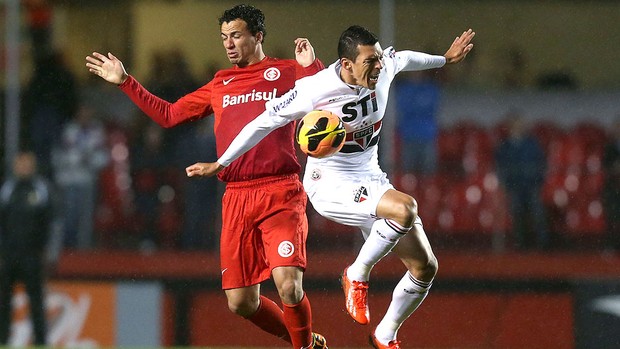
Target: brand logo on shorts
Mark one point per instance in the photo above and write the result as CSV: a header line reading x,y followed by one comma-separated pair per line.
x,y
316,174
361,194
286,249
271,74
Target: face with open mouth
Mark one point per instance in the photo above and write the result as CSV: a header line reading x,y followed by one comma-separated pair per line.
x,y
242,48
367,65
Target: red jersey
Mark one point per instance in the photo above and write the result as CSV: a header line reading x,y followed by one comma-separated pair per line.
x,y
235,96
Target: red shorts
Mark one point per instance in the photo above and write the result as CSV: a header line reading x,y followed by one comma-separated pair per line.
x,y
264,225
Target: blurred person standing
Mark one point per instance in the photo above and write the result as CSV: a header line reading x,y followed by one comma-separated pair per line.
x,y
200,196
50,101
417,104
26,221
171,79
150,163
77,159
611,191
521,168
264,223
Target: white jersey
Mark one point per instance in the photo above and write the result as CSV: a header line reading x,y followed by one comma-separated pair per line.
x,y
360,109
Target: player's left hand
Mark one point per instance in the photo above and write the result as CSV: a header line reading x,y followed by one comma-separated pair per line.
x,y
304,52
203,169
460,47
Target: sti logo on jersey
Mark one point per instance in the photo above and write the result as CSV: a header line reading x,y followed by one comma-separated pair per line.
x,y
361,194
367,104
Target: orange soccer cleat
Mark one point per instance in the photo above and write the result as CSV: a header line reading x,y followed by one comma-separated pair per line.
x,y
377,345
318,341
356,298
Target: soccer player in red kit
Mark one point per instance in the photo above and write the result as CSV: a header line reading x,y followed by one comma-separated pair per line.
x,y
264,223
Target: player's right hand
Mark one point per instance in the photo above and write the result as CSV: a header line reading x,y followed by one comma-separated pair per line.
x,y
460,47
204,169
107,67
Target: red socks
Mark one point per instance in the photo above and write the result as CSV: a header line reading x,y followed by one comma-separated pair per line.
x,y
298,319
293,325
270,318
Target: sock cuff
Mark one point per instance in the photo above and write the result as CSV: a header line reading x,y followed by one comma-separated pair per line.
x,y
397,227
419,286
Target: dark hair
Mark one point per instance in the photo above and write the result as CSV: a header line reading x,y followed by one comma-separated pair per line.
x,y
352,37
253,17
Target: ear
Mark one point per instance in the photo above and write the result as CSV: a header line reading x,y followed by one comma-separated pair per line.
x,y
259,37
346,64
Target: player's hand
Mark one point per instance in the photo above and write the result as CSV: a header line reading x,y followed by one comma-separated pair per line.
x,y
460,47
304,52
203,169
107,67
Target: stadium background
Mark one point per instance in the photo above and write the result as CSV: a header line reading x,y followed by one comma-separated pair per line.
x,y
486,294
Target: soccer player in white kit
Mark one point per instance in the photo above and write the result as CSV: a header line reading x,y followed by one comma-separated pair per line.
x,y
349,187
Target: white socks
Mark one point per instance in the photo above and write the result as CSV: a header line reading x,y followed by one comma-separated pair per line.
x,y
406,298
383,236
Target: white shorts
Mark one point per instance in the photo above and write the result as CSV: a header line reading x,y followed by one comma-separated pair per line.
x,y
346,200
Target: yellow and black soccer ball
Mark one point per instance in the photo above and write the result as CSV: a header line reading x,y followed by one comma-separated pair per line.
x,y
320,133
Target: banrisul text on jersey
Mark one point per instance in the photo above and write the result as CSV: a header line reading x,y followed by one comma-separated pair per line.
x,y
248,97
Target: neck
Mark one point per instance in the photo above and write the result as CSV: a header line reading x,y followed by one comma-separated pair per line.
x,y
257,57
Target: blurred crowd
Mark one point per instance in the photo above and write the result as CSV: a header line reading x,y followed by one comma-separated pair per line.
x,y
522,184
120,178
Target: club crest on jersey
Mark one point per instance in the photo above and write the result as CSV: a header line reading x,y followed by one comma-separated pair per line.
x,y
271,74
286,249
316,174
361,194
366,136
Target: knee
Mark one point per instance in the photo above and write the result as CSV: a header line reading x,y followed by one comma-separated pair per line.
x,y
431,268
290,291
243,307
407,212
424,269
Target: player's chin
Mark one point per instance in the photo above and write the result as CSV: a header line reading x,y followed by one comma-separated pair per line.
x,y
372,83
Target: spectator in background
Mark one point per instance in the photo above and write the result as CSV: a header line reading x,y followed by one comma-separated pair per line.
x,y
171,79
149,162
200,196
417,103
521,167
114,108
26,221
611,191
514,75
50,100
77,160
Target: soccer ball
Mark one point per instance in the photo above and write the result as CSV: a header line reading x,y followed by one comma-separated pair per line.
x,y
320,133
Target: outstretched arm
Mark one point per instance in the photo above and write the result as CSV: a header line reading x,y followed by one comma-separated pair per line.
x,y
280,111
247,138
108,67
460,47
